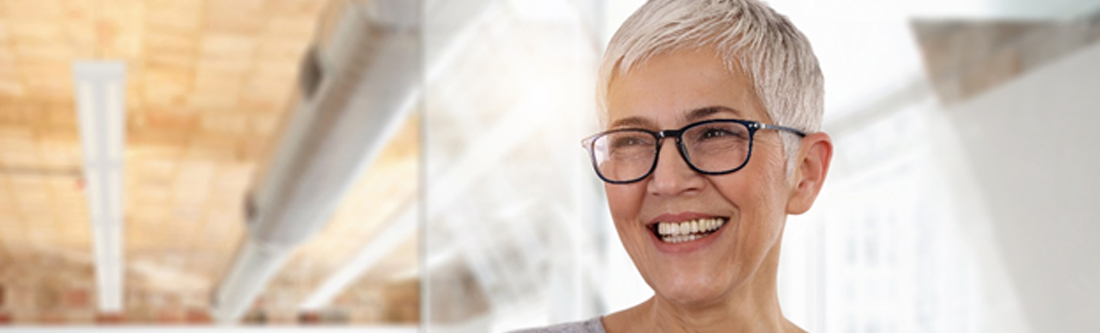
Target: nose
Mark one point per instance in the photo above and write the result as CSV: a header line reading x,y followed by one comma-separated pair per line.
x,y
672,175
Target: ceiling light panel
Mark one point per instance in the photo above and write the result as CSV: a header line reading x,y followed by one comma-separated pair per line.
x,y
101,111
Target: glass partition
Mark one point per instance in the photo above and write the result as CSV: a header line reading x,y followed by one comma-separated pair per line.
x,y
514,215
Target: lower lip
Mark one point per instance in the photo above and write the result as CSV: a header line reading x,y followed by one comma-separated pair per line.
x,y
690,246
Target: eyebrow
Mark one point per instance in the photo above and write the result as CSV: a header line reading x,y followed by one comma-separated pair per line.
x,y
692,116
632,122
704,112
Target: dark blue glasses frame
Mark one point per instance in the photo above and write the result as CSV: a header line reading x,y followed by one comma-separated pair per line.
x,y
659,136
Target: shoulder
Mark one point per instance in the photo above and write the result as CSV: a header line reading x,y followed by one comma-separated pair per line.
x,y
589,326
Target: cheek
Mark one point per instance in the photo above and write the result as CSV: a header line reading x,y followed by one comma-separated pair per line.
x,y
759,195
771,197
768,174
624,201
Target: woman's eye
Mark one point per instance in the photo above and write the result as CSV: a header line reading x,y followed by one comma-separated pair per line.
x,y
722,133
715,133
628,142
718,133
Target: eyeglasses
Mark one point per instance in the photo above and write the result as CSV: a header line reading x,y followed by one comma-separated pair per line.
x,y
710,147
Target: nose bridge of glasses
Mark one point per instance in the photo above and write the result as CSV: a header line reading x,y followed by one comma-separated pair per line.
x,y
671,171
661,135
678,148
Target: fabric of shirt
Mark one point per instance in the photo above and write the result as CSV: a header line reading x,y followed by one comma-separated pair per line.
x,y
590,326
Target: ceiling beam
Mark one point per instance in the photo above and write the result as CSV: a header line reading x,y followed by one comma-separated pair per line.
x,y
966,57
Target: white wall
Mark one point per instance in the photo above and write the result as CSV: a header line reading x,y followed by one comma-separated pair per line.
x,y
1033,148
978,217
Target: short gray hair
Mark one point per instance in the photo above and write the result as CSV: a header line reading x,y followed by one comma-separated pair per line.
x,y
776,56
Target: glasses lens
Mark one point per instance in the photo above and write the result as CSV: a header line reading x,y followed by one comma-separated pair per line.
x,y
624,155
717,146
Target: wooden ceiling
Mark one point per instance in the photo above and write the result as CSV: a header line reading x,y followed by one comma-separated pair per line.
x,y
207,83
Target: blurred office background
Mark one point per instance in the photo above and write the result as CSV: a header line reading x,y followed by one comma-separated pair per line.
x,y
402,165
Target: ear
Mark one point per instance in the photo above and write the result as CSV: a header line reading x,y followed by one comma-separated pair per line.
x,y
814,155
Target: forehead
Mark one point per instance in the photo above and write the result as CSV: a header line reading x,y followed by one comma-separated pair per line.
x,y
670,89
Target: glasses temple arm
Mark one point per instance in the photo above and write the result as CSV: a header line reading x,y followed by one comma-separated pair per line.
x,y
784,128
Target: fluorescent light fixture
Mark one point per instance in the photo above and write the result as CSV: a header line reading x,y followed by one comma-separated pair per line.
x,y
357,97
100,99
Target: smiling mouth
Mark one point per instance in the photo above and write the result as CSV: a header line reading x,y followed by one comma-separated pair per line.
x,y
678,232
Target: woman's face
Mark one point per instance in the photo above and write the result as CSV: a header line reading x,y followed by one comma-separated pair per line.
x,y
667,92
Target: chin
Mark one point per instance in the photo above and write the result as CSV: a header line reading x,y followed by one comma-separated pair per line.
x,y
695,289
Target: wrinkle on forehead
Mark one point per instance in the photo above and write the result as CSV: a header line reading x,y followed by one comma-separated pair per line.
x,y
663,97
685,117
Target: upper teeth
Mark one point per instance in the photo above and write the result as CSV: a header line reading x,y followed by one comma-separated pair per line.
x,y
689,227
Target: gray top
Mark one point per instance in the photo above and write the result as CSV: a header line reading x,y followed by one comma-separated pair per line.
x,y
590,326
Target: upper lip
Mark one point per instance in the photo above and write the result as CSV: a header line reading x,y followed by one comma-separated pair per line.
x,y
681,217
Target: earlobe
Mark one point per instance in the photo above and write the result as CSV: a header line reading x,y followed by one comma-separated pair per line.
x,y
815,154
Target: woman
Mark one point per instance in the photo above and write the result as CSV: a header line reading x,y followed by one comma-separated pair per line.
x,y
712,113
